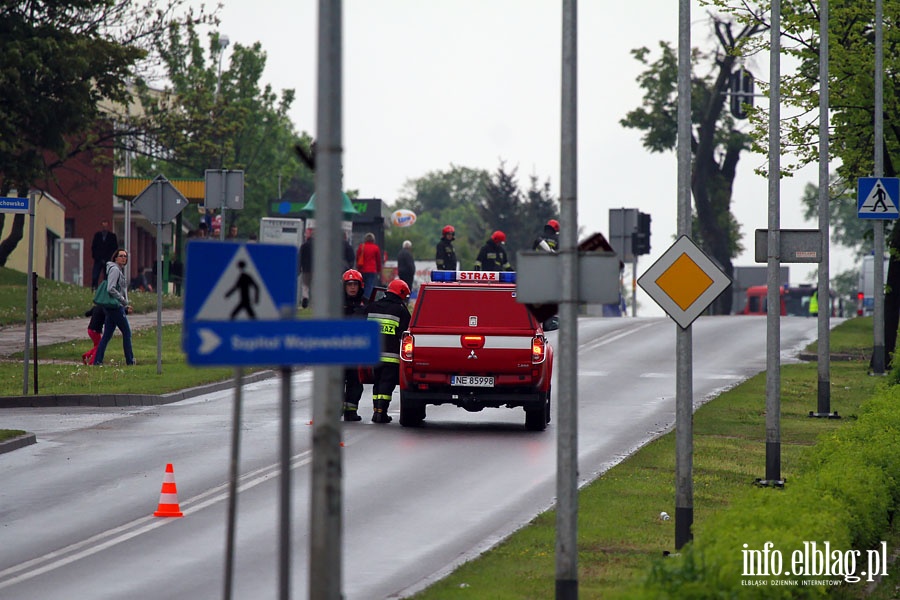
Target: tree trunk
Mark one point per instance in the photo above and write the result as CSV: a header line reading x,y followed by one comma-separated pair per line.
x,y
12,240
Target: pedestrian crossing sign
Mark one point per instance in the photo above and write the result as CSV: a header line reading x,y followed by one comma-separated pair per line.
x,y
878,197
233,281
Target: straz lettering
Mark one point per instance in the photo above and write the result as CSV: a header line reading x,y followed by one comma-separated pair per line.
x,y
389,328
478,276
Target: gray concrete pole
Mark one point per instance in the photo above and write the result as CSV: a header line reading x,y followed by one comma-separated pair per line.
x,y
29,288
326,501
567,414
684,392
284,490
127,205
878,354
773,296
824,288
234,476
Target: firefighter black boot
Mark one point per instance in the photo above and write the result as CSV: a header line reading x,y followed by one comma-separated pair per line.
x,y
350,412
379,415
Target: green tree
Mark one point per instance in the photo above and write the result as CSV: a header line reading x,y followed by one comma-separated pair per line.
x,y
501,208
847,229
61,59
540,205
441,198
851,69
228,120
716,140
476,203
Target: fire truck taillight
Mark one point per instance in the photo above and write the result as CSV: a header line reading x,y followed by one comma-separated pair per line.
x,y
472,341
860,298
407,344
538,349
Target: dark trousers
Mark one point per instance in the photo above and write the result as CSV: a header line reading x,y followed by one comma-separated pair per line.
x,y
115,317
387,376
353,389
95,273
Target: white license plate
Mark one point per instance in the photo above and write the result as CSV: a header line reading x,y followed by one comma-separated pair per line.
x,y
472,380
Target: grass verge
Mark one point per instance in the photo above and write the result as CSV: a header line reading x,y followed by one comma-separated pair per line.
x,y
69,376
620,533
57,300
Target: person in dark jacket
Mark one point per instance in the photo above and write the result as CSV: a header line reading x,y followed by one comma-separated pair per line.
x,y
354,306
349,254
392,315
104,244
445,255
406,264
305,263
549,241
492,256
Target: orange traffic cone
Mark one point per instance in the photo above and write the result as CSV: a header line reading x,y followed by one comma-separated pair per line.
x,y
168,496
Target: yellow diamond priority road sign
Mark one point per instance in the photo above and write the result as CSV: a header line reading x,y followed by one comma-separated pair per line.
x,y
684,281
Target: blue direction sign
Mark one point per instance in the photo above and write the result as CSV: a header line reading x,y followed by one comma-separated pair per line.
x,y
264,343
234,297
878,197
14,205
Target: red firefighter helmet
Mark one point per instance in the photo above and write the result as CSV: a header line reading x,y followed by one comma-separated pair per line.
x,y
554,224
498,236
352,275
399,287
448,229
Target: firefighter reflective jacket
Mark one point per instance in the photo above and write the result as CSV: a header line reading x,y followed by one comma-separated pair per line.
x,y
392,316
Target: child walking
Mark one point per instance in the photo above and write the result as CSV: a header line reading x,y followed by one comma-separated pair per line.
x,y
95,331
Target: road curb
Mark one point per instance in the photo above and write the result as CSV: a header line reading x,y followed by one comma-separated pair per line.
x,y
26,439
113,400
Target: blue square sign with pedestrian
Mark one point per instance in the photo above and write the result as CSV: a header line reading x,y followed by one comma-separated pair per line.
x,y
233,281
878,197
239,304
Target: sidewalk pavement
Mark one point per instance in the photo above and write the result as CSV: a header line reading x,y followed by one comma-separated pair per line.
x,y
12,337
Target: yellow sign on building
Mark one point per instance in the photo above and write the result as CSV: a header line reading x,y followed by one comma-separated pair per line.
x,y
129,187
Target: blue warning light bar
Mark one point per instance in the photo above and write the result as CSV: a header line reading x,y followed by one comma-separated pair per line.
x,y
473,276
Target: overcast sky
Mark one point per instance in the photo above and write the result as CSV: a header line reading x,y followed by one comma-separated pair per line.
x,y
434,83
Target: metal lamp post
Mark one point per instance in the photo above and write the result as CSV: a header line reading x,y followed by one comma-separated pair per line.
x,y
223,43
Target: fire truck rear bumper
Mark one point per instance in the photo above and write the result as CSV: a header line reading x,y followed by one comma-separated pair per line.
x,y
474,400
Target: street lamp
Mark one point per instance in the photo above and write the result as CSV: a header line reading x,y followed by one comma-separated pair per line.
x,y
223,43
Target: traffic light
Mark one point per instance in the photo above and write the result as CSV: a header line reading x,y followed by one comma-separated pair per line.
x,y
640,240
741,92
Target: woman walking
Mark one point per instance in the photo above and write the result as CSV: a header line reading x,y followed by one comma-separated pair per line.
x,y
116,316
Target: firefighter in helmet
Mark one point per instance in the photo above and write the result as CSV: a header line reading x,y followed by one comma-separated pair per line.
x,y
492,256
445,255
392,315
549,240
354,306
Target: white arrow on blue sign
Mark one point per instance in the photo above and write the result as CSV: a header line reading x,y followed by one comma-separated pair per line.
x,y
270,343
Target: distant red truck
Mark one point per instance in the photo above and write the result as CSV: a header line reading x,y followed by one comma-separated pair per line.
x,y
472,345
794,300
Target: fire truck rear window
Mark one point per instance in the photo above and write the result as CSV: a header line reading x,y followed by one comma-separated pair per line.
x,y
455,307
